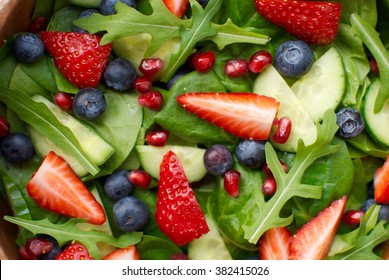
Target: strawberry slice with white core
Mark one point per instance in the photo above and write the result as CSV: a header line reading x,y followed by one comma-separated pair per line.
x,y
245,115
274,244
128,253
381,184
55,187
313,241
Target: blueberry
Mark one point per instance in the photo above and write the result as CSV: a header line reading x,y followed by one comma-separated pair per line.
x,y
117,185
181,72
89,104
84,14
17,147
251,153
203,3
28,47
130,213
107,7
293,58
350,122
120,74
218,159
384,210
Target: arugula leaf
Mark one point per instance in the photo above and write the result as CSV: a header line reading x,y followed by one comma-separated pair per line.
x,y
69,231
267,213
163,26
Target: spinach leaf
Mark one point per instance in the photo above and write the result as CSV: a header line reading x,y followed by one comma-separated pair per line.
x,y
154,248
7,67
364,143
62,19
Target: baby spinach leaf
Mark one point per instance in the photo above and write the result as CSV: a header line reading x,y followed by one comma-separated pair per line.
x,y
69,231
364,143
22,82
263,215
154,248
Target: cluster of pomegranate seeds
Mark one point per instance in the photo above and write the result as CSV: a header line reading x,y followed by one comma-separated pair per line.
x,y
64,101
139,178
157,137
352,218
231,182
38,24
4,127
283,130
236,67
34,248
203,61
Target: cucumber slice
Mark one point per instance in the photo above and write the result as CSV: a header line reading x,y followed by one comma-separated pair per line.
x,y
376,122
97,150
191,158
323,86
86,3
271,83
210,246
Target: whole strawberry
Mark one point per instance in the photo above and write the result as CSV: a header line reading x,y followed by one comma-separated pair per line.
x,y
79,57
315,22
178,213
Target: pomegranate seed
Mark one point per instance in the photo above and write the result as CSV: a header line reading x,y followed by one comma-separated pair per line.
x,y
38,246
231,182
143,84
64,101
179,256
4,127
26,255
157,137
283,130
259,61
374,67
236,67
139,178
269,187
38,24
267,170
352,217
151,100
150,66
203,61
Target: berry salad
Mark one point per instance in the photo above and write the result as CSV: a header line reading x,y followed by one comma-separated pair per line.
x,y
188,129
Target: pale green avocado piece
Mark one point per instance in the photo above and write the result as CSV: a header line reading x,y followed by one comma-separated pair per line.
x,y
272,84
191,158
322,88
86,3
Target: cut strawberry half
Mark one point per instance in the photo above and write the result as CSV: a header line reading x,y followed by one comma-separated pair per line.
x,y
55,187
74,252
315,22
313,241
129,253
178,213
274,244
177,7
381,184
246,115
78,56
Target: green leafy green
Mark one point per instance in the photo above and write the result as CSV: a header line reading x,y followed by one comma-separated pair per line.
x,y
154,248
69,231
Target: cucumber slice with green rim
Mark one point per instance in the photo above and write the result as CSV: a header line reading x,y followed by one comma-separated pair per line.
x,y
376,122
323,86
271,83
210,246
191,158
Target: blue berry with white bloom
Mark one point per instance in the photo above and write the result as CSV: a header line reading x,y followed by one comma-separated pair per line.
x,y
130,214
107,7
117,185
89,104
28,47
120,74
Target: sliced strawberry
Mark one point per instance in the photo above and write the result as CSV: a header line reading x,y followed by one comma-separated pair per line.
x,y
73,252
246,115
313,240
315,22
178,213
274,244
381,184
79,56
55,186
177,7
129,253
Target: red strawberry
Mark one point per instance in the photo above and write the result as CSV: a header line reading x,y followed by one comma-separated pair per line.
x,y
129,253
246,115
178,213
274,244
381,184
55,186
177,7
313,240
79,56
74,251
315,22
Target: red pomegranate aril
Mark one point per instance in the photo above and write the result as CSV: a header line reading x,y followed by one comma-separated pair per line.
x,y
152,100
38,24
231,182
64,101
269,173
269,187
150,66
38,246
352,217
25,254
259,61
143,84
179,256
236,67
157,137
283,131
4,127
203,61
139,178
374,67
